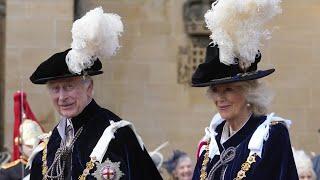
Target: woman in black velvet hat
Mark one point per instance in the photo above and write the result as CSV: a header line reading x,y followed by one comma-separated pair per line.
x,y
242,140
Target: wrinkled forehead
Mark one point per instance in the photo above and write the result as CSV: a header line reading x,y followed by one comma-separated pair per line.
x,y
70,80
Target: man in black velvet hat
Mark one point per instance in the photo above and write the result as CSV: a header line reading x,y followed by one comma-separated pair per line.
x,y
89,142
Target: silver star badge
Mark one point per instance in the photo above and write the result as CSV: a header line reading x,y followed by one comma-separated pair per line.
x,y
108,170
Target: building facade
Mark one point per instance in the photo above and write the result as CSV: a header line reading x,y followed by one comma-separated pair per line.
x,y
141,83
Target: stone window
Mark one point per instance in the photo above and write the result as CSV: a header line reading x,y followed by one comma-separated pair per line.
x,y
192,54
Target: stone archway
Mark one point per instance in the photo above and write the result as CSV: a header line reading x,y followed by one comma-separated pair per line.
x,y
2,46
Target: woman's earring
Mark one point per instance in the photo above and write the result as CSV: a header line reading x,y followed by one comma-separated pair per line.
x,y
248,104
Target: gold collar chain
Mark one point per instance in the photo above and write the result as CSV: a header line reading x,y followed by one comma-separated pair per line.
x,y
205,161
245,167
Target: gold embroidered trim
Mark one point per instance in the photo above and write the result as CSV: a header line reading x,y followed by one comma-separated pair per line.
x,y
205,161
86,171
245,167
44,158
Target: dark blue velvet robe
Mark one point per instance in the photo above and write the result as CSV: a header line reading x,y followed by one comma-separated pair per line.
x,y
276,163
135,163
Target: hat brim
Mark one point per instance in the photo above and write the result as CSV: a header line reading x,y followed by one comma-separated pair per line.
x,y
239,77
45,80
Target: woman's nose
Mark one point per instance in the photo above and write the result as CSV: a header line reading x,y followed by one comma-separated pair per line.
x,y
220,96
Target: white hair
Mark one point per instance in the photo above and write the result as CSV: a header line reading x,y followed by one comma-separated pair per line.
x,y
87,80
257,95
303,163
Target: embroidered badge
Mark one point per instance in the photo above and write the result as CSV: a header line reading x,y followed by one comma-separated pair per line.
x,y
108,170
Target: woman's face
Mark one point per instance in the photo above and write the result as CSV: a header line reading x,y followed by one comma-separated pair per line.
x,y
184,169
306,175
229,100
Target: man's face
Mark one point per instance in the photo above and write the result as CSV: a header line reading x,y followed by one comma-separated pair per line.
x,y
70,95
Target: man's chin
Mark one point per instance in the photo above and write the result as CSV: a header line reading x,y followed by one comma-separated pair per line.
x,y
67,114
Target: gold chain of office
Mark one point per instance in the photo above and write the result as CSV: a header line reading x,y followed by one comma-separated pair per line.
x,y
241,173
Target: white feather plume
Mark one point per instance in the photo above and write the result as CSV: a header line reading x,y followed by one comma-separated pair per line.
x,y
95,35
237,27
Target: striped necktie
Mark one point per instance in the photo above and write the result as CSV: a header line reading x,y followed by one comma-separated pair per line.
x,y
69,133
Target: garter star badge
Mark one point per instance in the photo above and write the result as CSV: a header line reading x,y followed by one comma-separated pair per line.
x,y
108,170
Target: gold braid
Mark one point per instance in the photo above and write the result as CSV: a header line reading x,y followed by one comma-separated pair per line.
x,y
205,161
86,171
44,158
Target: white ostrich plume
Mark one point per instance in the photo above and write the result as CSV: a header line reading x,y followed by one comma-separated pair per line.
x,y
95,35
237,27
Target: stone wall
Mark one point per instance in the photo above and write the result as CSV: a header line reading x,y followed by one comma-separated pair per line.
x,y
295,51
140,82
35,29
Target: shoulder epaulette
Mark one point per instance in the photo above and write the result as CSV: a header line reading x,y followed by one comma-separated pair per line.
x,y
272,123
11,164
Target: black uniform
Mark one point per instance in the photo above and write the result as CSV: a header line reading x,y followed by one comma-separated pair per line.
x,y
135,163
276,163
14,170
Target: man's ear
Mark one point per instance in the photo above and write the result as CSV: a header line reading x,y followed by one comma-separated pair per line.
x,y
90,88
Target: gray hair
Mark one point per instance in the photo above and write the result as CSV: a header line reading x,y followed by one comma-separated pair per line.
x,y
86,80
257,95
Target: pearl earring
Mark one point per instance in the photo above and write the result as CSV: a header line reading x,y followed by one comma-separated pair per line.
x,y
248,104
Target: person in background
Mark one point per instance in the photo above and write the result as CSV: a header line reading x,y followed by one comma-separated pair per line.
x,y
26,133
304,165
316,166
30,131
157,156
179,166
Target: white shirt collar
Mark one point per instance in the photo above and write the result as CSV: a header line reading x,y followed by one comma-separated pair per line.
x,y
63,124
225,136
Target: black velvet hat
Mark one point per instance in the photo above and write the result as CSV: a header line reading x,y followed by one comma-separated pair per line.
x,y
56,68
213,72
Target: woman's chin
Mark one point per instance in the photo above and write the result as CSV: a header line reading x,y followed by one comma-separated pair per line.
x,y
224,114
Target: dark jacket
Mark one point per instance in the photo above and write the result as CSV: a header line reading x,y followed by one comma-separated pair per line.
x,y
135,163
276,163
316,166
14,170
